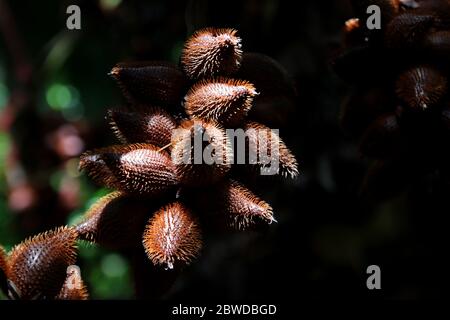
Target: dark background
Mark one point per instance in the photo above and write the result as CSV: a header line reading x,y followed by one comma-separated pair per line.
x,y
54,92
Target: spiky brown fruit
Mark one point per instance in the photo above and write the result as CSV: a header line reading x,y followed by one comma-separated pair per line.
x,y
400,75
211,52
242,207
2,259
421,87
267,150
408,30
37,266
153,126
200,148
74,287
155,83
134,168
172,236
226,101
201,152
3,271
92,163
438,43
440,9
115,221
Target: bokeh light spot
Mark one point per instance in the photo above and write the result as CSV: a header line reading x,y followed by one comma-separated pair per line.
x,y
110,4
113,265
3,95
59,96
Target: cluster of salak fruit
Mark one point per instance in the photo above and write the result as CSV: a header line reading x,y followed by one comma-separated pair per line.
x,y
159,130
399,108
161,200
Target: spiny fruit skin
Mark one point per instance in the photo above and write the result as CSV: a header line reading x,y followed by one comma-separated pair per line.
x,y
73,287
161,161
190,165
243,208
421,87
134,168
210,52
155,83
3,258
37,266
115,221
3,270
226,101
408,30
400,79
95,166
438,42
88,228
153,126
172,236
267,146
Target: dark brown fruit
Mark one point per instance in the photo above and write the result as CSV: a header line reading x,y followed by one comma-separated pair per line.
x,y
3,271
407,30
115,221
440,9
439,43
135,168
211,52
92,163
222,100
266,149
243,208
154,126
194,139
38,265
155,83
421,87
172,236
